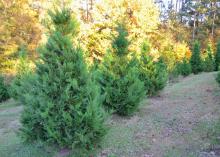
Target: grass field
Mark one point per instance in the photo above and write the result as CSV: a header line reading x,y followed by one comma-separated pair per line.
x,y
182,121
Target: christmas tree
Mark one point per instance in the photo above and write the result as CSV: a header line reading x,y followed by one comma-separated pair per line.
x,y
209,63
120,78
217,56
153,74
63,104
195,60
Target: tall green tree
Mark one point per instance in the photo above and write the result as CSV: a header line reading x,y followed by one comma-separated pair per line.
x,y
195,61
153,74
63,104
209,62
23,70
217,56
120,81
4,93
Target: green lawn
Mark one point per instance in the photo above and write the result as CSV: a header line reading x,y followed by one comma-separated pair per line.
x,y
181,122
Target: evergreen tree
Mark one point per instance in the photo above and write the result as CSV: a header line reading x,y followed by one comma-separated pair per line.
x,y
120,82
146,67
195,60
209,63
3,90
218,78
161,75
184,68
63,104
23,71
153,74
217,56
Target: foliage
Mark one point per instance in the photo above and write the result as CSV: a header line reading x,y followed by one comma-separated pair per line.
x,y
23,72
142,17
200,18
217,56
218,77
153,74
171,50
146,66
183,68
195,60
209,63
161,75
19,25
62,104
120,82
4,95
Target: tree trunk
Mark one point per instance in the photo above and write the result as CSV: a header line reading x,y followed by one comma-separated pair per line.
x,y
213,19
177,5
213,24
194,26
87,11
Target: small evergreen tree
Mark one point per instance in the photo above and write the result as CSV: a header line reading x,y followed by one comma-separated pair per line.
x,y
217,56
120,82
62,104
161,75
184,68
153,74
23,71
3,90
146,67
209,63
218,78
195,60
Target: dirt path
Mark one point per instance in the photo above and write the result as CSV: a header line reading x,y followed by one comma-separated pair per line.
x,y
174,124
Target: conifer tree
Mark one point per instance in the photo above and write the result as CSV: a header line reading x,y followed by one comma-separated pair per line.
x,y
184,68
120,81
218,78
146,67
209,63
4,95
195,60
63,105
23,71
153,74
161,74
217,56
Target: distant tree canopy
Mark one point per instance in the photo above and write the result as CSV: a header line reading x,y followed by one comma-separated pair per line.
x,y
202,16
19,25
170,26
141,16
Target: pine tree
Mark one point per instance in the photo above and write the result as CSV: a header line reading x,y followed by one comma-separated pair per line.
x,y
184,68
153,74
63,104
161,75
23,71
122,88
195,60
217,56
218,78
209,63
146,67
4,95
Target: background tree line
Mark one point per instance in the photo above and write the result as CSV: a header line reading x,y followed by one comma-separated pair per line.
x,y
170,26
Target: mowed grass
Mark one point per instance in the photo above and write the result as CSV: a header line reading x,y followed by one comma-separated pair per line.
x,y
182,121
11,145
